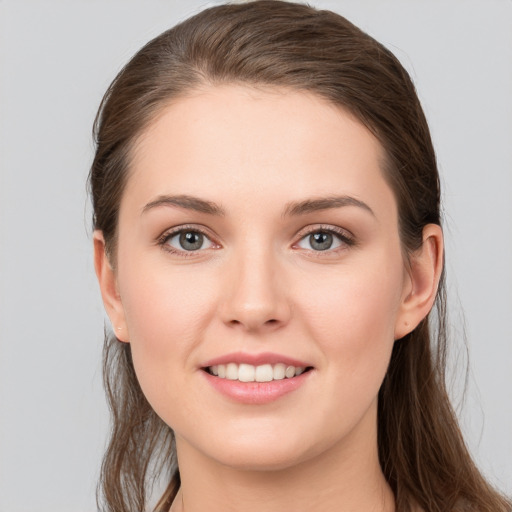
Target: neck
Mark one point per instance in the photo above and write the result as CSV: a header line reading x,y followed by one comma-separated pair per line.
x,y
347,477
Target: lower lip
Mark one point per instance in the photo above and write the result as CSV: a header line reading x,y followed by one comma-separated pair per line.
x,y
256,393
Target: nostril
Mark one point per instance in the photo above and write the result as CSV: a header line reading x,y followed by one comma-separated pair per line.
x,y
269,323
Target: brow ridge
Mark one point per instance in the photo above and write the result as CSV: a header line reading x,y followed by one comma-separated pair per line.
x,y
324,203
186,201
292,209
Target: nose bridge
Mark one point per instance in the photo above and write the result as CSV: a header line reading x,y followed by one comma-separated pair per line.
x,y
256,296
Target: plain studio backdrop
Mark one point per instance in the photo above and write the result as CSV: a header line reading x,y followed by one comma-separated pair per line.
x,y
56,60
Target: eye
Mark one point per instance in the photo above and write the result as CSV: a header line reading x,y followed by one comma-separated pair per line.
x,y
323,240
187,240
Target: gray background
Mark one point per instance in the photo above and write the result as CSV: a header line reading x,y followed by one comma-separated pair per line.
x,y
56,60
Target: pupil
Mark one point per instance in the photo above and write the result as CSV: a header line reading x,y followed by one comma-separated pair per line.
x,y
321,241
191,240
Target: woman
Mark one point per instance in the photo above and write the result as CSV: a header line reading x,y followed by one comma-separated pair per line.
x,y
268,247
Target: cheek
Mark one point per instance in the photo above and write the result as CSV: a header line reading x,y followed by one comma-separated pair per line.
x,y
352,316
352,320
166,310
354,300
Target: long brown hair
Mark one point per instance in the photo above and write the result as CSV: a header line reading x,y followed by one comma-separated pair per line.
x,y
421,450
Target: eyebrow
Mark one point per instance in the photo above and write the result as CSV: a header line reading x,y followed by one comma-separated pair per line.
x,y
187,202
324,203
291,209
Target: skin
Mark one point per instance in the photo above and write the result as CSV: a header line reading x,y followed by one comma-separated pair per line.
x,y
258,285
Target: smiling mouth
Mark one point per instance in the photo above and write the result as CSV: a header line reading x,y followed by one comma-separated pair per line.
x,y
262,373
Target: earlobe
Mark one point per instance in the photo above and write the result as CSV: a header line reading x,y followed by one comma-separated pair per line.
x,y
109,290
426,266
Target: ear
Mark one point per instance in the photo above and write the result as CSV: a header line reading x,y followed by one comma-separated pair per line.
x,y
424,273
108,285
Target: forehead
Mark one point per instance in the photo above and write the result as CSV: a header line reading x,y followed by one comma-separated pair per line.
x,y
227,140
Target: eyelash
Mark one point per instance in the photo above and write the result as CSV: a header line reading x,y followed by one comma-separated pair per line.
x,y
342,235
168,235
347,239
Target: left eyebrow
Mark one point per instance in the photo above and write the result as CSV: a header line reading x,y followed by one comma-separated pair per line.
x,y
324,203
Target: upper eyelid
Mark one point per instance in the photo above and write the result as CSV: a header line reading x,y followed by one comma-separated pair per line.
x,y
324,227
169,232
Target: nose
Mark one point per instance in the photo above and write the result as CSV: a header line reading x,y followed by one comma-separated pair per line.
x,y
255,297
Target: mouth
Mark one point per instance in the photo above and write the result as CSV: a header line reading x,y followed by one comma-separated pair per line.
x,y
262,373
256,379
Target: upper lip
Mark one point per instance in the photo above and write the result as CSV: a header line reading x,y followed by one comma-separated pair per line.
x,y
255,359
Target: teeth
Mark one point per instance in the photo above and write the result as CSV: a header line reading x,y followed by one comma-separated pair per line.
x,y
289,372
250,373
279,371
264,373
246,373
232,371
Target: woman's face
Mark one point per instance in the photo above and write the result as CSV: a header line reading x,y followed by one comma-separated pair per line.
x,y
258,238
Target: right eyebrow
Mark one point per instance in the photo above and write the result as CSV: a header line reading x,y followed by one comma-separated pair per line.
x,y
187,202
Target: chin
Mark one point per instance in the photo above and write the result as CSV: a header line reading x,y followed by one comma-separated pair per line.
x,y
256,458
272,450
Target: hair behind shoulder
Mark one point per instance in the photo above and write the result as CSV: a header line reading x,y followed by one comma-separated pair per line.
x,y
274,43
